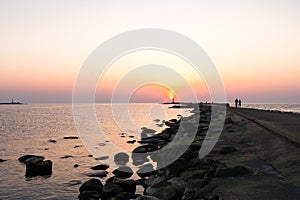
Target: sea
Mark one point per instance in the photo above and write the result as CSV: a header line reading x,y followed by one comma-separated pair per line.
x,y
40,129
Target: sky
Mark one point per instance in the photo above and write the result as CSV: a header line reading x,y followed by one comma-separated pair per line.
x,y
254,44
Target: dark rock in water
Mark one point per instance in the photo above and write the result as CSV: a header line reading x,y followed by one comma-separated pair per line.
x,y
121,158
38,168
66,156
178,184
145,171
131,136
102,158
163,191
51,140
233,172
76,165
46,149
227,149
77,146
100,167
145,148
92,185
123,172
33,160
71,137
213,197
1,160
24,158
123,196
131,141
147,197
89,195
90,155
101,174
110,190
139,158
128,185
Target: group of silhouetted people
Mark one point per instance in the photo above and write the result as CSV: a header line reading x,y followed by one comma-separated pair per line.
x,y
238,102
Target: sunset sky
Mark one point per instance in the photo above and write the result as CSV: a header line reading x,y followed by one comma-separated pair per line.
x,y
254,44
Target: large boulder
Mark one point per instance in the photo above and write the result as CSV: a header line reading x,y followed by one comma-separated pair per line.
x,y
91,190
22,159
123,172
38,167
163,191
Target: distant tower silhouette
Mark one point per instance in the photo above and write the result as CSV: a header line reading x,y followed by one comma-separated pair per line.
x,y
173,100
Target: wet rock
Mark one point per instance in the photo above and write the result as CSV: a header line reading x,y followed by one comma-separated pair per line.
x,y
178,184
38,167
22,159
139,158
122,196
178,166
101,174
228,120
100,167
131,141
121,158
102,158
76,165
71,137
89,195
227,149
129,185
66,156
123,172
94,186
213,197
110,190
52,141
33,160
145,171
1,160
192,174
163,191
233,171
147,197
188,154
145,148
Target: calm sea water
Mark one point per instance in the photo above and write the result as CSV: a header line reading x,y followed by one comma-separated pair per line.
x,y
274,106
26,129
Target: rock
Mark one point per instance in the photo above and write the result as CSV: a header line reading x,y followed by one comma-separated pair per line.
x,y
178,166
52,141
122,196
233,172
139,158
77,146
111,189
92,185
40,168
100,167
33,160
213,197
131,141
147,197
71,137
145,171
188,154
131,136
128,185
192,174
121,158
1,160
22,159
89,195
76,165
227,149
123,172
178,184
101,174
66,156
163,191
145,148
102,158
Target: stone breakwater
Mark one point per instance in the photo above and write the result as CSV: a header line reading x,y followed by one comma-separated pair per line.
x,y
185,178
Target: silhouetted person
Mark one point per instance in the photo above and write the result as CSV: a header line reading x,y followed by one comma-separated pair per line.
x,y
240,103
236,102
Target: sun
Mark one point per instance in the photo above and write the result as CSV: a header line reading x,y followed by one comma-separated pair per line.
x,y
171,95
